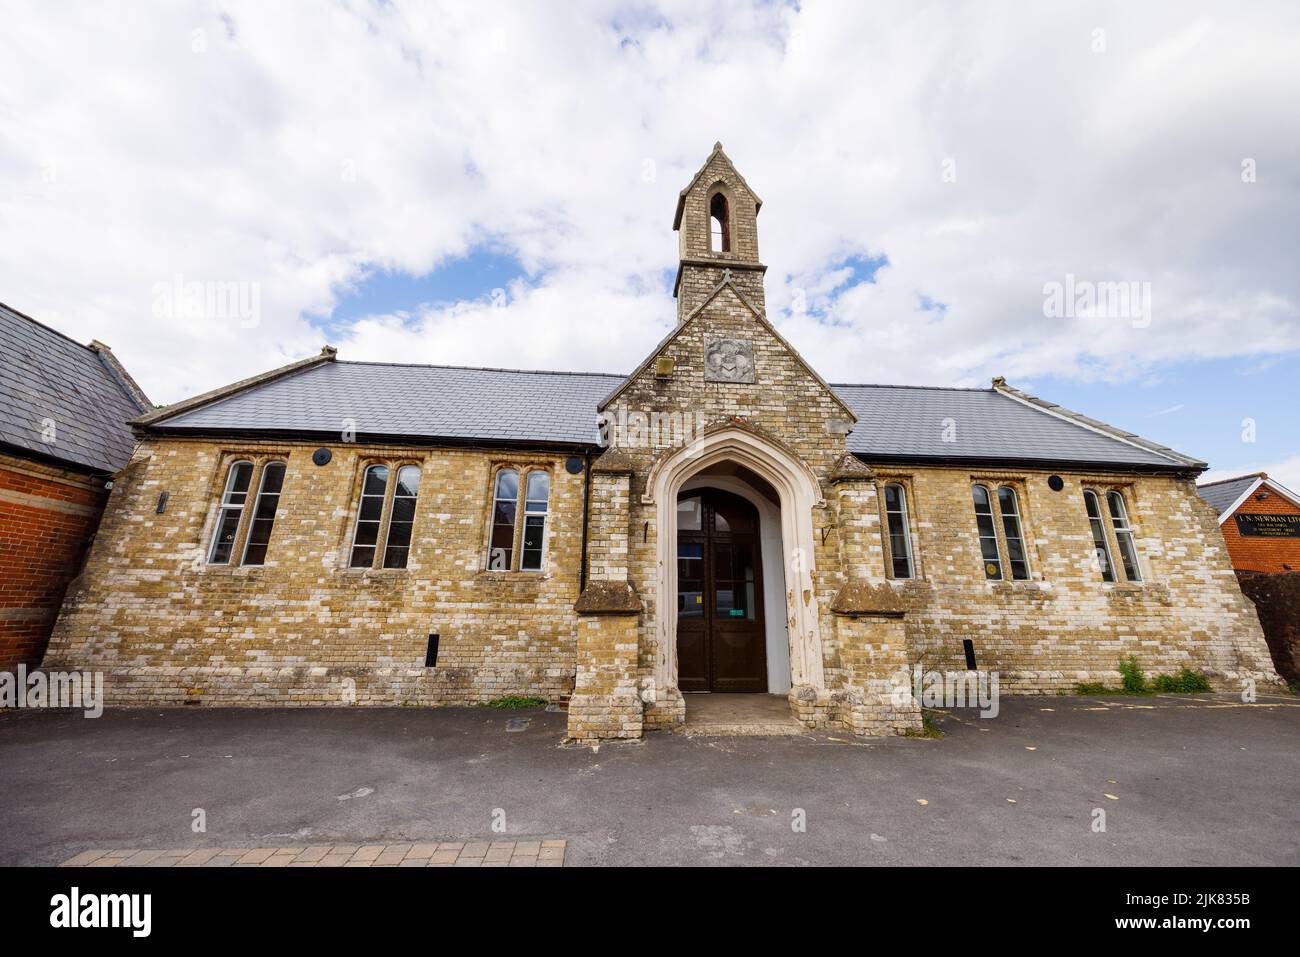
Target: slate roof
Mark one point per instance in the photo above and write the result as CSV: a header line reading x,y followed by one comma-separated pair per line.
x,y
908,422
445,402
499,405
46,375
1221,495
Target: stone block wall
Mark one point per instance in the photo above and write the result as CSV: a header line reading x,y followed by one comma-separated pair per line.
x,y
304,629
1065,624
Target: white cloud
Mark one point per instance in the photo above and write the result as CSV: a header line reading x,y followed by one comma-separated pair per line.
x,y
303,145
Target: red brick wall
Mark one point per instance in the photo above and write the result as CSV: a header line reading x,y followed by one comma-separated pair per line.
x,y
47,517
1255,554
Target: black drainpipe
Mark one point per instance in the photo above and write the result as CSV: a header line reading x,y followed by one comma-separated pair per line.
x,y
586,520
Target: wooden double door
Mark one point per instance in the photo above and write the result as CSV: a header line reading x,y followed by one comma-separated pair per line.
x,y
720,635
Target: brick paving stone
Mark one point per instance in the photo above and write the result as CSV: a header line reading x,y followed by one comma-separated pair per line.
x,y
256,856
84,858
548,853
195,858
368,852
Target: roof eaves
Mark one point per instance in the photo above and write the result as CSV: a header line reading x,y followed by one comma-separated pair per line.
x,y
1051,408
327,354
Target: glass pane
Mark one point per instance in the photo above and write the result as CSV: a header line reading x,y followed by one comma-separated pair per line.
x,y
690,515
241,474
367,533
690,598
981,496
395,557
534,531
363,557
268,500
372,507
376,482
273,478
403,510
539,489
505,514
223,541
1100,548
731,516
892,497
508,484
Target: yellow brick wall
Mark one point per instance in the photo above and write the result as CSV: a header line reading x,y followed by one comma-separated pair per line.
x,y
305,629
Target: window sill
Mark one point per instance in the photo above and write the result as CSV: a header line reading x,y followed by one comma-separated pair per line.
x,y
496,576
1025,585
371,572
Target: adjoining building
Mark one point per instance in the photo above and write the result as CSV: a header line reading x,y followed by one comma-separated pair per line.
x,y
63,434
1260,519
722,519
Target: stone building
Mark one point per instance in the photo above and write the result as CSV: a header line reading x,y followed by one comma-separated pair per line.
x,y
720,520
63,433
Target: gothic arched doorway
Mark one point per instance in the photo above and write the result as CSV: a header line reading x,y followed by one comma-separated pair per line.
x,y
721,637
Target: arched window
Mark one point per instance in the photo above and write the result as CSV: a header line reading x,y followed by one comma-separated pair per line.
x,y
1100,547
401,517
1123,536
538,493
899,535
268,500
988,533
232,510
365,539
1011,533
719,224
505,502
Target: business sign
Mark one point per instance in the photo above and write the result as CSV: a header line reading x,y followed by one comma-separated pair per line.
x,y
1268,526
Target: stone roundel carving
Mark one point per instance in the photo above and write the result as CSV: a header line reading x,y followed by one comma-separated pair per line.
x,y
729,360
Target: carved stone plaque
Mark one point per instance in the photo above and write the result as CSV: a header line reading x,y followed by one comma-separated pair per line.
x,y
728,360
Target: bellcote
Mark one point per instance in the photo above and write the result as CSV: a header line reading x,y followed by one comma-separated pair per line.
x,y
717,231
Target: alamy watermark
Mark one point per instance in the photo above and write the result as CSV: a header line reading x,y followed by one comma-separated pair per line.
x,y
1083,298
53,689
946,689
621,428
235,300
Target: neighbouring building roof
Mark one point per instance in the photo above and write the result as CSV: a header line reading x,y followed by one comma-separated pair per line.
x,y
1226,494
327,396
45,378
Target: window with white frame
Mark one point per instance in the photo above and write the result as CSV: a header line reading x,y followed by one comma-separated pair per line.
x,y
512,545
264,507
1012,536
898,535
1123,535
1100,545
988,533
233,498
385,516
241,535
1000,549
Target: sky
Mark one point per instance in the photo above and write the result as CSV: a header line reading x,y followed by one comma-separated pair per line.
x,y
215,189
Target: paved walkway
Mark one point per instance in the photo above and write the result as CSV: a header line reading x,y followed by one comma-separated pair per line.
x,y
1182,780
472,854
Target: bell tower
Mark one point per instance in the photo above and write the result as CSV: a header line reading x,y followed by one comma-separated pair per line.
x,y
717,231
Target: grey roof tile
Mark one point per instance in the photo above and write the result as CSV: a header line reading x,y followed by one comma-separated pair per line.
x,y
445,402
45,375
1221,495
